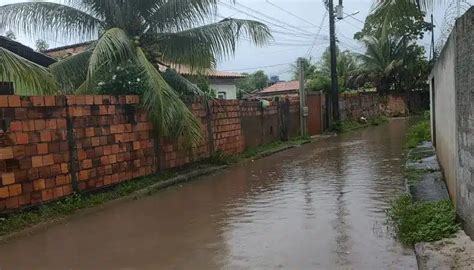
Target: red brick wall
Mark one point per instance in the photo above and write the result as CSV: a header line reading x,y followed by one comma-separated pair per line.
x,y
113,139
50,146
34,153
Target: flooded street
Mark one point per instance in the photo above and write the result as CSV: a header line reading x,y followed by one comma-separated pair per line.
x,y
319,206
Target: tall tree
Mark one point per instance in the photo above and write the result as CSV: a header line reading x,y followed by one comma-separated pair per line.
x,y
10,34
255,81
308,67
143,31
346,62
41,45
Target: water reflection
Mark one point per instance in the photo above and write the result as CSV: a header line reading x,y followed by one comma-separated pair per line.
x,y
320,206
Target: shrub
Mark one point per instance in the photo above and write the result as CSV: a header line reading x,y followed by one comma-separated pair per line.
x,y
419,133
422,221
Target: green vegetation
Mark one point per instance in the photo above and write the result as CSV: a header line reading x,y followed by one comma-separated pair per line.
x,y
153,35
419,133
220,158
422,221
414,175
345,126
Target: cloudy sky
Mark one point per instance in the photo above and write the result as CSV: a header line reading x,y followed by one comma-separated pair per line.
x,y
300,29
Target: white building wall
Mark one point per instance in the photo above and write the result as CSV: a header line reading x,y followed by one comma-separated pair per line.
x,y
443,106
227,86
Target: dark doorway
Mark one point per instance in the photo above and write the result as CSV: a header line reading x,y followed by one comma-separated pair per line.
x,y
433,110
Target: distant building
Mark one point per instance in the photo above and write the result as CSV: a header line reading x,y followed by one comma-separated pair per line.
x,y
290,88
8,88
224,83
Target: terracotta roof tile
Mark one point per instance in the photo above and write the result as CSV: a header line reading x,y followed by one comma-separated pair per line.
x,y
281,87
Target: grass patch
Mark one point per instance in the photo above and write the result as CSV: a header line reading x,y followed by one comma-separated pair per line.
x,y
220,158
414,175
419,133
422,221
346,126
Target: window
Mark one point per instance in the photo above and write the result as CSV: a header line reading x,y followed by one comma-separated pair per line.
x,y
221,95
6,88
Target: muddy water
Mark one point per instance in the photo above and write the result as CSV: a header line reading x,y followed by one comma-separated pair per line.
x,y
320,206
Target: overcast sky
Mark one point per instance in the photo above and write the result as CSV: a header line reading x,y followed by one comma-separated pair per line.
x,y
295,24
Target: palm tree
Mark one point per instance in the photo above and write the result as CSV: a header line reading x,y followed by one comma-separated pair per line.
x,y
145,32
383,58
28,78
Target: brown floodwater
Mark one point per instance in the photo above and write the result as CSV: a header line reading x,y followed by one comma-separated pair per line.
x,y
319,206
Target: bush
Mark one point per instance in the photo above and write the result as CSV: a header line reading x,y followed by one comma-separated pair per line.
x,y
422,221
419,133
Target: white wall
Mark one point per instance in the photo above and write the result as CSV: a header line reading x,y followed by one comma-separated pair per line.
x,y
443,105
227,86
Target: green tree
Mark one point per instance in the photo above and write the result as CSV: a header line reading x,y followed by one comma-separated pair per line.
x,y
255,81
27,77
308,67
10,34
143,31
393,64
41,45
347,64
410,23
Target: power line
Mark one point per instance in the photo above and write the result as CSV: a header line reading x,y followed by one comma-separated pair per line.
x,y
287,12
254,68
319,31
354,18
271,18
274,22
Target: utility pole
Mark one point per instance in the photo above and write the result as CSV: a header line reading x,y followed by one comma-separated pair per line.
x,y
432,51
302,94
334,96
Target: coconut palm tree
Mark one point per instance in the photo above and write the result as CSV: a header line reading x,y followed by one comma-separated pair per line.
x,y
28,78
146,32
383,58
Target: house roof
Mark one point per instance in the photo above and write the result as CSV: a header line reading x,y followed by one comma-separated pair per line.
x,y
183,70
281,87
62,48
26,52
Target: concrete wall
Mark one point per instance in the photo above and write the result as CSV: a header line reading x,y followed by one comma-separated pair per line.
x,y
452,100
443,105
464,32
353,106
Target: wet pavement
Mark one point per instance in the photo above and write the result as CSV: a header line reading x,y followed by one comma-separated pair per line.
x,y
319,206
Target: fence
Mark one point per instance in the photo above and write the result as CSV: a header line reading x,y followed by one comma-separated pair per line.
x,y
52,146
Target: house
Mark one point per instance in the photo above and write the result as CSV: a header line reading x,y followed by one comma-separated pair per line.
x,y
222,82
290,88
7,88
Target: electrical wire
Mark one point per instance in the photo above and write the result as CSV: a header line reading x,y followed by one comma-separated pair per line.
x,y
259,67
310,50
291,14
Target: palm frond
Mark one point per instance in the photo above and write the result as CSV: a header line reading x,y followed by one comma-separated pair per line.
x,y
71,72
27,77
180,84
169,114
199,47
45,18
112,48
177,15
